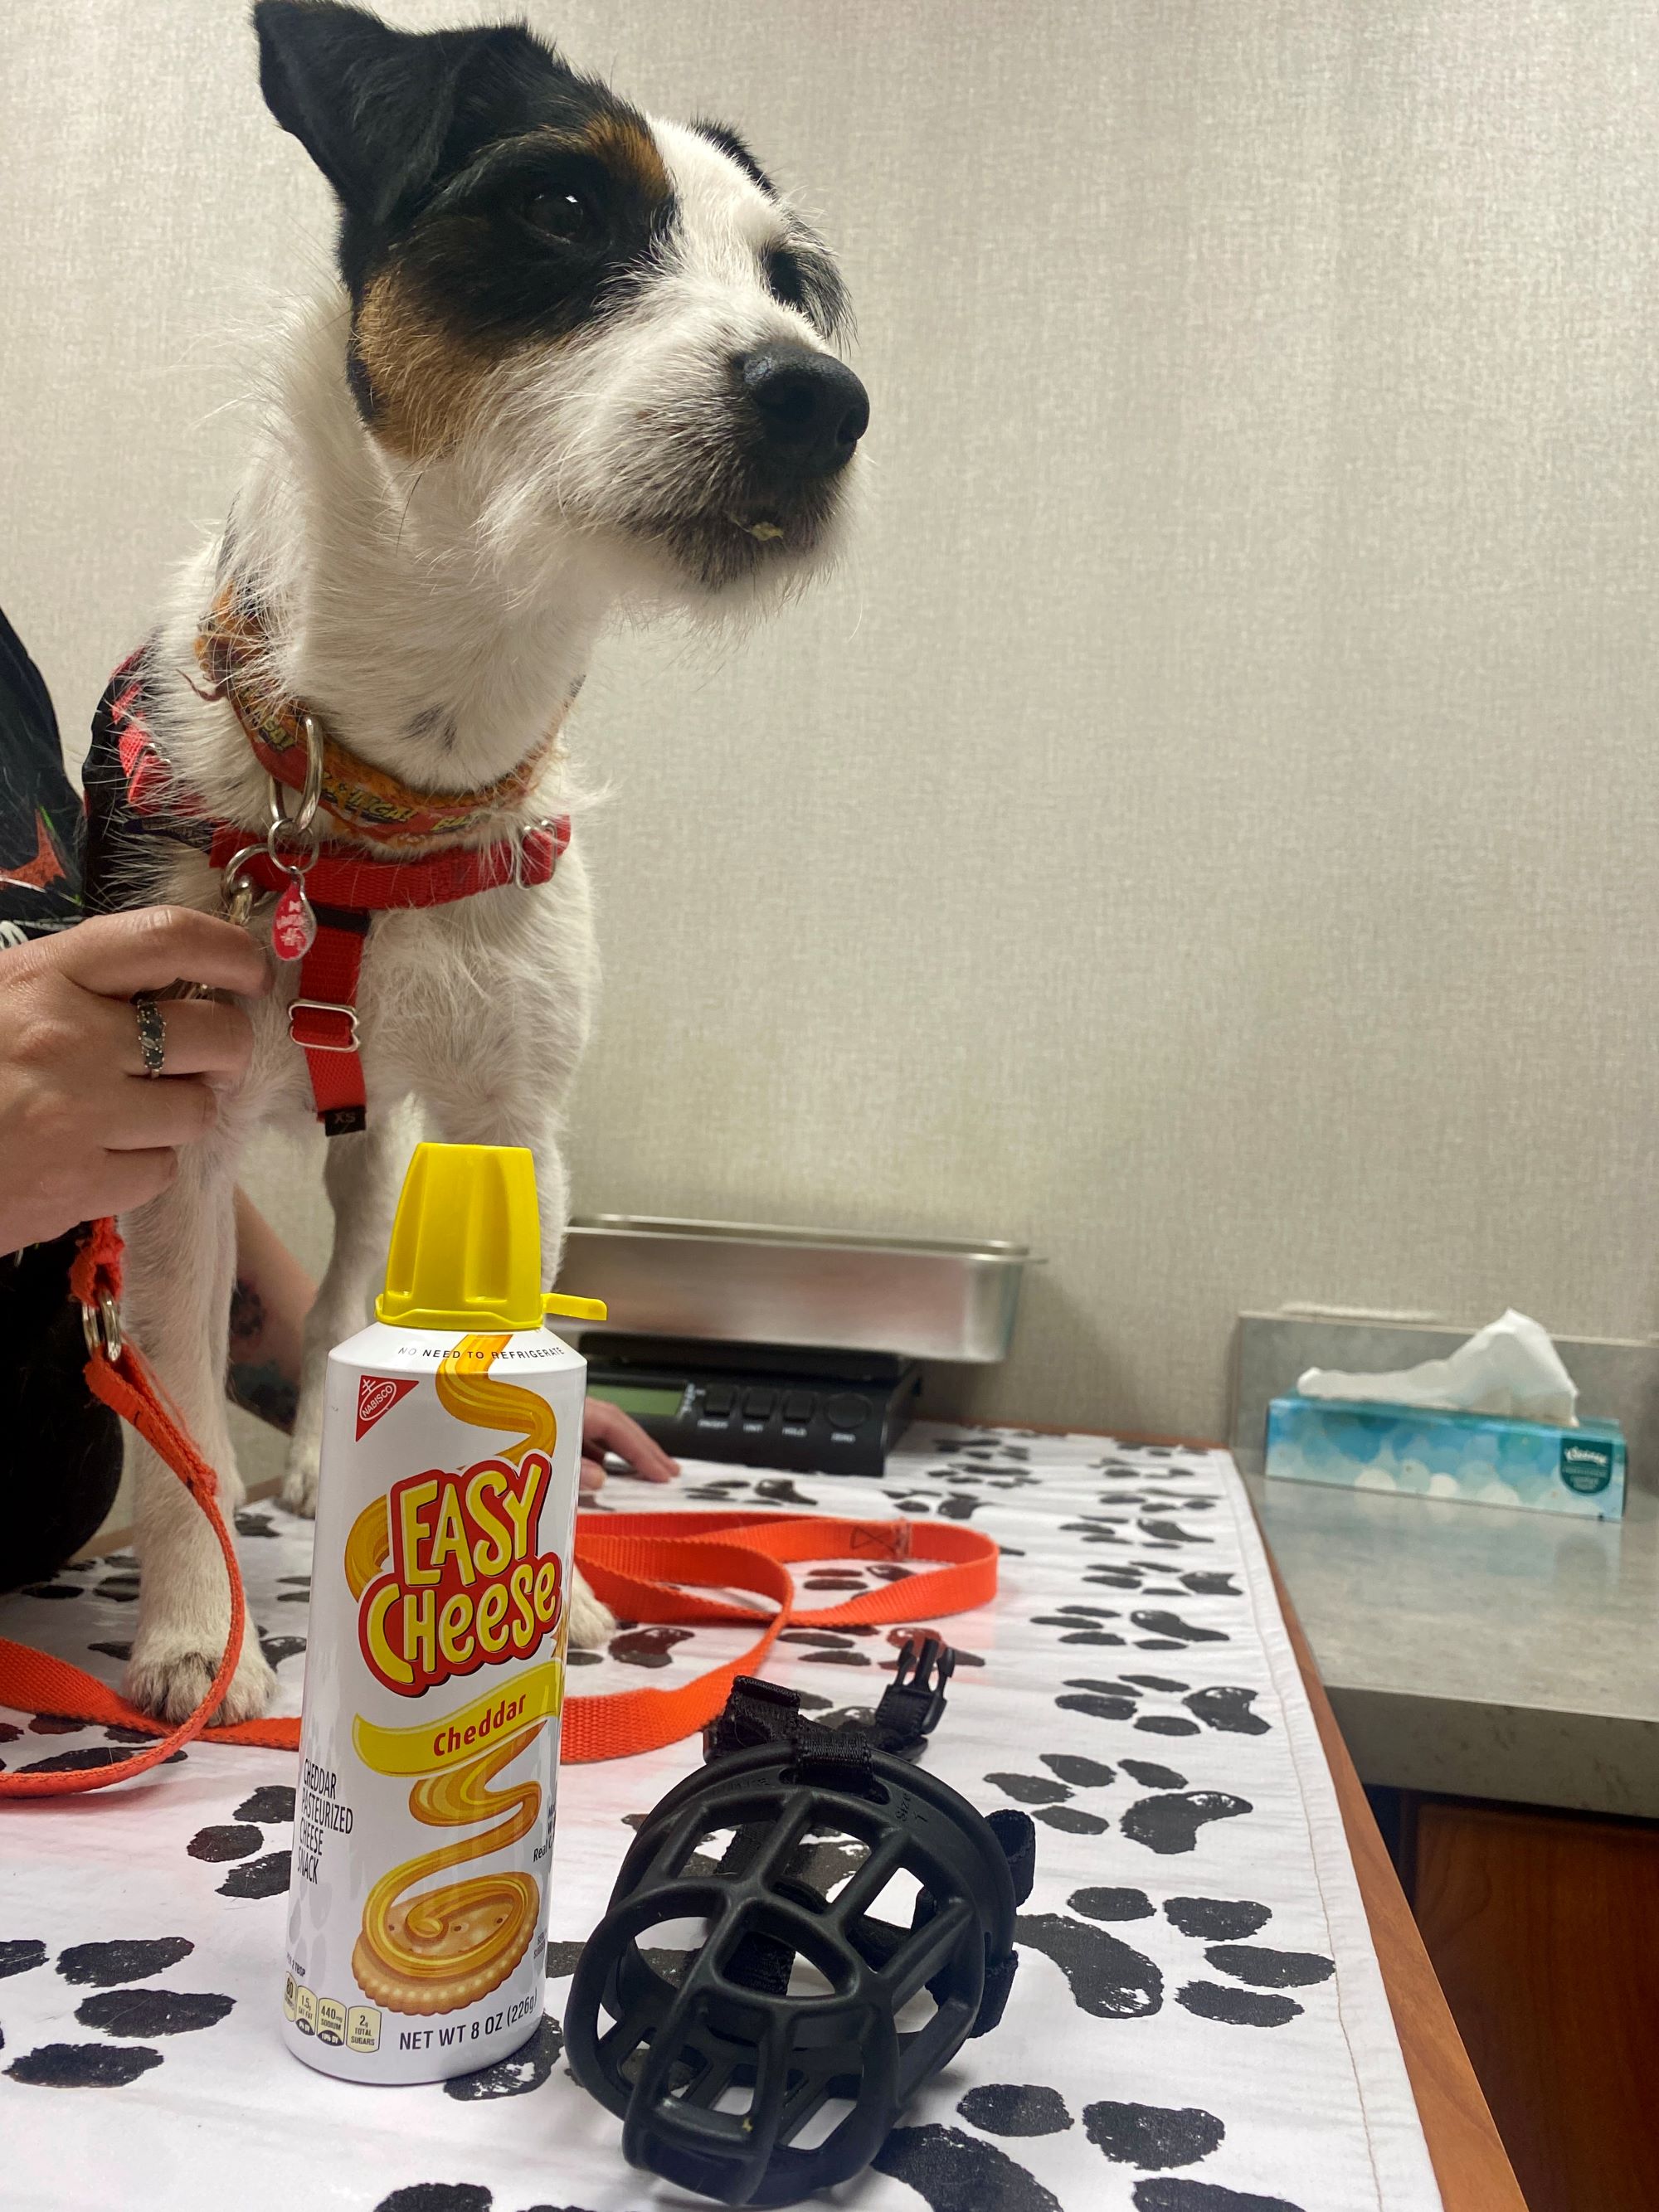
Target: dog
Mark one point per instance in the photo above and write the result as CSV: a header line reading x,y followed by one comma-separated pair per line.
x,y
578,361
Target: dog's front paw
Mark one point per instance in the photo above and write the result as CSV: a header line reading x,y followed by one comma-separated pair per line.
x,y
299,1492
591,1623
171,1670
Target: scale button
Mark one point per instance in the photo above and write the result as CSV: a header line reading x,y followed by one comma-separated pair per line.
x,y
847,1410
800,1406
719,1399
757,1404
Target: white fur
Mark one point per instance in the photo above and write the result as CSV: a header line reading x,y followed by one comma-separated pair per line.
x,y
439,616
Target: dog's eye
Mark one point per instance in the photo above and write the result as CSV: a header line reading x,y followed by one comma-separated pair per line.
x,y
565,212
784,280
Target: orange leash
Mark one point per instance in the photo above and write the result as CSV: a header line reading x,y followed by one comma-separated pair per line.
x,y
635,1560
31,1681
648,1565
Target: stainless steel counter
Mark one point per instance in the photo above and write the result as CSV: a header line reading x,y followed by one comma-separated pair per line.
x,y
1478,1651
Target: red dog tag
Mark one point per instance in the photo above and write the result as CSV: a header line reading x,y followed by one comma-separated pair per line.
x,y
293,925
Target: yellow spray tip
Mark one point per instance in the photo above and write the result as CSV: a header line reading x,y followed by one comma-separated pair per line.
x,y
466,1244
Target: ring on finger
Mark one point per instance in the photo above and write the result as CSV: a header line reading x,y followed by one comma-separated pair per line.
x,y
152,1034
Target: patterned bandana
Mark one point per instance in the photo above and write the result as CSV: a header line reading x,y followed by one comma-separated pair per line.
x,y
370,802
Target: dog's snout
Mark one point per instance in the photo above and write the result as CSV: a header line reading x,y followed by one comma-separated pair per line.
x,y
809,408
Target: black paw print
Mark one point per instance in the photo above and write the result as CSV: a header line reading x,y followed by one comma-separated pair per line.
x,y
1048,1797
241,1836
82,1754
1212,1921
1165,1823
1121,1569
1111,1980
123,2015
1226,1708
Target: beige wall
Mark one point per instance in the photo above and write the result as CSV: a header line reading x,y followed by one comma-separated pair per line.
x,y
1210,831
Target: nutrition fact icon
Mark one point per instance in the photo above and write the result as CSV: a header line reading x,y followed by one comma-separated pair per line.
x,y
356,2026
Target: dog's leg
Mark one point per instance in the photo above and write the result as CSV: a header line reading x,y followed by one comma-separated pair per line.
x,y
181,1259
360,1173
491,1123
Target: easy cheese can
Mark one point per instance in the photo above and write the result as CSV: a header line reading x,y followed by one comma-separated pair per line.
x,y
435,1665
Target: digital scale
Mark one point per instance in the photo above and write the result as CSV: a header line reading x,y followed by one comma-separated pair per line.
x,y
788,1348
760,1405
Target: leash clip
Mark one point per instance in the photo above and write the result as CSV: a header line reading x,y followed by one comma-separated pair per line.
x,y
236,893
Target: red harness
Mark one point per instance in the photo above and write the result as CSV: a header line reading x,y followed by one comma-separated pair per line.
x,y
344,889
341,886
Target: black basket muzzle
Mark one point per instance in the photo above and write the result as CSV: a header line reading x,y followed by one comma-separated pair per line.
x,y
807,1992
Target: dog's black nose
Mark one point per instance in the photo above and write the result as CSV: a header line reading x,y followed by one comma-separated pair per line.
x,y
811,408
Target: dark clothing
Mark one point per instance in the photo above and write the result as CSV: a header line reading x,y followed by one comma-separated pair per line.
x,y
119,844
60,1449
60,1462
39,813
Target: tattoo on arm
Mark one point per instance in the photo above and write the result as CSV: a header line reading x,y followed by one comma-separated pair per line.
x,y
247,1316
256,1384
263,1389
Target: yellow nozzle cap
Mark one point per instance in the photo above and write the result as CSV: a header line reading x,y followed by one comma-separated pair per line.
x,y
466,1244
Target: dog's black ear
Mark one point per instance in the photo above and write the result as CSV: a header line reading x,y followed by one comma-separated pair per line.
x,y
370,104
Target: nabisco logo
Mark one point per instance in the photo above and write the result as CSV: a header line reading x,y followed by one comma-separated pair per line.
x,y
378,1394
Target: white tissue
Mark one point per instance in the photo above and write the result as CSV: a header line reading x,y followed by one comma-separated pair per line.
x,y
1510,1368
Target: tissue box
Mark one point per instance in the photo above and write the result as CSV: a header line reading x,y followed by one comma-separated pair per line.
x,y
1477,1457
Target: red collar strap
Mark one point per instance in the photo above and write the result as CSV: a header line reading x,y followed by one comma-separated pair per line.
x,y
376,806
342,877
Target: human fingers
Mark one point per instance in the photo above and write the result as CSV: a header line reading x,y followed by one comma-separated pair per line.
x,y
201,1036
89,1186
606,1428
152,947
142,1114
592,1477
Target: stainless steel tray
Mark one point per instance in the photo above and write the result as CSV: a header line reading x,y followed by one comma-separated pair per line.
x,y
741,1282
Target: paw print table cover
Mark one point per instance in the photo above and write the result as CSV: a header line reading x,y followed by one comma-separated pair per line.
x,y
1198,2023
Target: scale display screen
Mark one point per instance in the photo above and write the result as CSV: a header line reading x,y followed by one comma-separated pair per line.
x,y
637,1397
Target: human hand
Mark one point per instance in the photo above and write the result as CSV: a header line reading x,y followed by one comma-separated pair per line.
x,y
606,1428
83,1130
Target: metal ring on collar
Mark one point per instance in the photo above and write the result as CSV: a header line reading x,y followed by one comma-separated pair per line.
x,y
311,791
302,844
152,1034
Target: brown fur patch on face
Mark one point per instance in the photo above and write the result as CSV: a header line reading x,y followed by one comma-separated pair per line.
x,y
460,294
627,149
427,381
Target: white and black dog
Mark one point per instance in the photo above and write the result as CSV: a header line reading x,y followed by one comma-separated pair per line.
x,y
577,359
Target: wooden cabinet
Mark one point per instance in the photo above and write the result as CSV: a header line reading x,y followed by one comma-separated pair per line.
x,y
1543,1929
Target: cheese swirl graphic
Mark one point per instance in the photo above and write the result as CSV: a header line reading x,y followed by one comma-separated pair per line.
x,y
441,1950
465,1389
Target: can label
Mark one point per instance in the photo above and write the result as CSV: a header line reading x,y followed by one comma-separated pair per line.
x,y
435,1675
